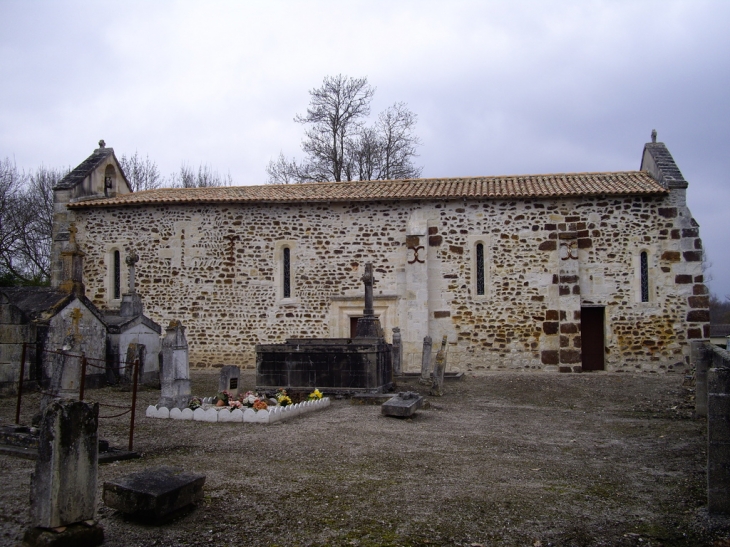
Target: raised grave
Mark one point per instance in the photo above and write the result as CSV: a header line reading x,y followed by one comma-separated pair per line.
x,y
154,494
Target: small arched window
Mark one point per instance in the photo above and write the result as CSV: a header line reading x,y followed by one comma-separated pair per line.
x,y
480,268
117,275
644,273
286,272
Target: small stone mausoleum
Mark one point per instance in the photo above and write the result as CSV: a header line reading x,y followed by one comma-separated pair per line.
x,y
564,272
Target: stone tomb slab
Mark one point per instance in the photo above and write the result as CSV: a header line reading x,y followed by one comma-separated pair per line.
x,y
154,494
402,405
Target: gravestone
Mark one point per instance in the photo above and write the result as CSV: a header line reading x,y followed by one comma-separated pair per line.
x,y
425,378
397,351
229,379
437,388
175,373
63,486
154,494
402,405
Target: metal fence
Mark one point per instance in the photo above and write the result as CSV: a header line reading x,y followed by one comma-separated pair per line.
x,y
86,363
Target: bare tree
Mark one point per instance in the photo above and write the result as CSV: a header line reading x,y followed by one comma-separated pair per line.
x,y
334,116
338,144
142,174
26,221
204,178
283,171
398,143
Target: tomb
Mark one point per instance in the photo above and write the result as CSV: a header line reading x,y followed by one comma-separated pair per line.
x,y
154,494
339,365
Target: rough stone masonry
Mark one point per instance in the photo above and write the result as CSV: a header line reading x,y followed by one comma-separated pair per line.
x,y
562,272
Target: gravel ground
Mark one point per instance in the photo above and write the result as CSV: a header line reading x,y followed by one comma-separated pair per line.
x,y
502,459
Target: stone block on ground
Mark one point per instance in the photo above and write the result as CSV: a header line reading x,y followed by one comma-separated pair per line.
x,y
82,534
402,405
154,494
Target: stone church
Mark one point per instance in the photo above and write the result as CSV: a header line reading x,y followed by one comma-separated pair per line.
x,y
560,272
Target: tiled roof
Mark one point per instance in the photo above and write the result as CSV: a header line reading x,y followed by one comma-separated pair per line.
x,y
523,186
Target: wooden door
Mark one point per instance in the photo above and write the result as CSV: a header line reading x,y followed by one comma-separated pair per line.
x,y
592,338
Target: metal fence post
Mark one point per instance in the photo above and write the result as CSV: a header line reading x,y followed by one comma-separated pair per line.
x,y
83,376
134,404
20,384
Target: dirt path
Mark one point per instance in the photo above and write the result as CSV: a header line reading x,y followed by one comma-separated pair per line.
x,y
503,459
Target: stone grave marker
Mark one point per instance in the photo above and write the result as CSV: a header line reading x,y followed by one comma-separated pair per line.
x,y
425,378
229,379
63,486
439,368
175,373
397,351
402,405
154,494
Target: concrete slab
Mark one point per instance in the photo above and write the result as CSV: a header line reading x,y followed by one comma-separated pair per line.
x,y
154,494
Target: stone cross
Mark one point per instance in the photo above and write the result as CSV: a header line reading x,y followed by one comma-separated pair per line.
x,y
72,230
368,280
131,260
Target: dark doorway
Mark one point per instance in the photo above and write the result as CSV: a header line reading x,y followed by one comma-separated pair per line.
x,y
592,337
353,326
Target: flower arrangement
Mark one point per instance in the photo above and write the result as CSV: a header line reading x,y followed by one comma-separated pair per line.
x,y
224,397
233,405
282,399
249,398
194,403
260,404
316,395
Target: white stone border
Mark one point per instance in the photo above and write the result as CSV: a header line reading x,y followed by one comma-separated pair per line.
x,y
249,415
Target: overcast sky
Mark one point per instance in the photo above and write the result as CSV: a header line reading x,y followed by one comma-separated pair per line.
x,y
499,87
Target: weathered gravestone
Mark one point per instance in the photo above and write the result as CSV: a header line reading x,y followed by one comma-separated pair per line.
x,y
402,405
229,379
175,373
63,486
425,378
397,351
439,368
154,494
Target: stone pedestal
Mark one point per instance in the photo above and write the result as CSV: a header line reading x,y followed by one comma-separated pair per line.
x,y
63,486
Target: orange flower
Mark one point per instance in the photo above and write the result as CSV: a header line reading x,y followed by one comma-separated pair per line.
x,y
260,405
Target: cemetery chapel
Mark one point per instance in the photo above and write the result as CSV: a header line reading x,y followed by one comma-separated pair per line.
x,y
556,272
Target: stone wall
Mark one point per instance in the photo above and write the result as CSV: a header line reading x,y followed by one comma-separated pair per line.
x,y
218,269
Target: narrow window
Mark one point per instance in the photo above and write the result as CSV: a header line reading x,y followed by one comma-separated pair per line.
x,y
287,272
644,277
117,276
480,269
